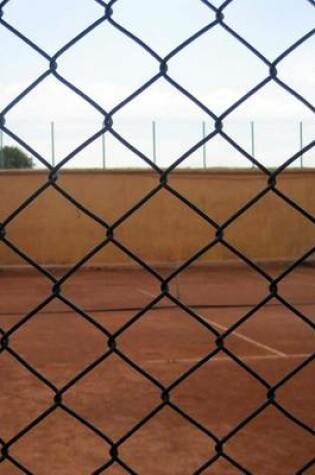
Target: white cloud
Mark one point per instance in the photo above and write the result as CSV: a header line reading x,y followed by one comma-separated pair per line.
x,y
53,101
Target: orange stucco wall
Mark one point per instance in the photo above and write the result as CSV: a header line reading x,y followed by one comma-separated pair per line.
x,y
52,231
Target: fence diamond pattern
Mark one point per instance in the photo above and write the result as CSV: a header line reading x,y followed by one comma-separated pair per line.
x,y
219,16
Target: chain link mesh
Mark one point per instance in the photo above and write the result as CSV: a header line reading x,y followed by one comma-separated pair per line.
x,y
221,21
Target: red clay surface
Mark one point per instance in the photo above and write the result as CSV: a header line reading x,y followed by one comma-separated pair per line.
x,y
166,342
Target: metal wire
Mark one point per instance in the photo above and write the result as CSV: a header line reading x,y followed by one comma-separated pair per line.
x,y
221,21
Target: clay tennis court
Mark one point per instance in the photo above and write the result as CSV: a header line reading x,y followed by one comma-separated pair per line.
x,y
165,341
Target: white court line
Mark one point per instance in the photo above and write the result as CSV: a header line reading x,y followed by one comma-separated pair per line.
x,y
145,292
235,333
246,338
228,358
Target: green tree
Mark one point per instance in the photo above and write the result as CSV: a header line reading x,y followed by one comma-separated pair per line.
x,y
13,157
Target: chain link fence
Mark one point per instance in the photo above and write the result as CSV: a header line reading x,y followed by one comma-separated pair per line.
x,y
163,73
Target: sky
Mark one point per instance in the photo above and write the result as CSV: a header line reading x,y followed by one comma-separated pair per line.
x,y
108,67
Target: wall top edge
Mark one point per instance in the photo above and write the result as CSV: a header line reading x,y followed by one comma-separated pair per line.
x,y
146,172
